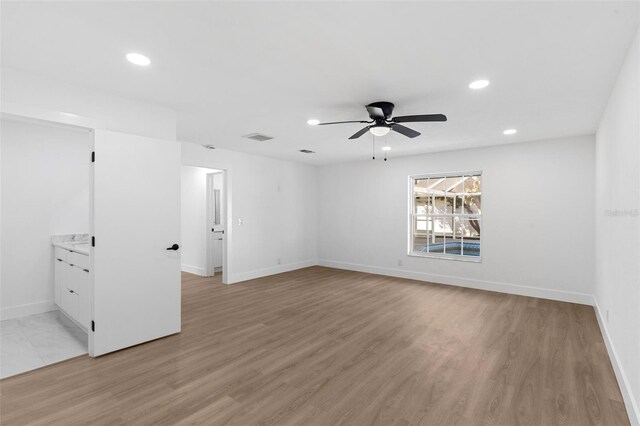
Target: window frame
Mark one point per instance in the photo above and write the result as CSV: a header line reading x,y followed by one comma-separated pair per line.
x,y
411,218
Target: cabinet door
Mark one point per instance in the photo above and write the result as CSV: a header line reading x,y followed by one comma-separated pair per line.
x,y
73,278
78,284
70,303
217,251
59,278
84,302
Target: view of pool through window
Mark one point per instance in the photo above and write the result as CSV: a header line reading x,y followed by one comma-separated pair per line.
x,y
446,215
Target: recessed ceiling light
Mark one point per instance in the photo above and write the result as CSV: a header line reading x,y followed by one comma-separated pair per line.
x,y
386,148
138,59
313,122
510,132
479,84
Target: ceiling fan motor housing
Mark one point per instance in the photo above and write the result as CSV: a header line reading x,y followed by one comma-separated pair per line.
x,y
380,111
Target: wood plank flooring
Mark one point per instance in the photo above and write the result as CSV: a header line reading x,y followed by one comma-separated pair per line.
x,y
321,346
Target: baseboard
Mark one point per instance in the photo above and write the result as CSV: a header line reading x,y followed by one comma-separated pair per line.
x,y
278,269
629,401
27,309
542,293
193,270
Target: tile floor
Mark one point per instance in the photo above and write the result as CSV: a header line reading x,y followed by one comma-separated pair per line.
x,y
38,340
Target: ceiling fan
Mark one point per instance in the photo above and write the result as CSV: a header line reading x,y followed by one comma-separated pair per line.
x,y
381,122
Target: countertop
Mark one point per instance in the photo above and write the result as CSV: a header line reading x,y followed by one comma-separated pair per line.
x,y
78,243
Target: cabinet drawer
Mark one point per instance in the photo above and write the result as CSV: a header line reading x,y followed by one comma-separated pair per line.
x,y
77,259
77,280
60,253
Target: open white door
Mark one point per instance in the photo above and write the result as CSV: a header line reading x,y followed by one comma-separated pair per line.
x,y
136,217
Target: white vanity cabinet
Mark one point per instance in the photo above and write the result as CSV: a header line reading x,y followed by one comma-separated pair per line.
x,y
72,285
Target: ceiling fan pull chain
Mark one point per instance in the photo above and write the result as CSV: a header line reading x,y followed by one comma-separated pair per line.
x,y
385,145
373,146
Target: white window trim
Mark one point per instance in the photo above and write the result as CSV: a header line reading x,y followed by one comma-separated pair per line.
x,y
410,217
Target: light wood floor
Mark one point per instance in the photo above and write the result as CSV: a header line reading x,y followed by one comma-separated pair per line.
x,y
321,346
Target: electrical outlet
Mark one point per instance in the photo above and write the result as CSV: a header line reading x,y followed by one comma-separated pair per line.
x,y
240,222
399,262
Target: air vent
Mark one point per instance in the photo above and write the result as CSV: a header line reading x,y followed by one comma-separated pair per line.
x,y
307,151
258,137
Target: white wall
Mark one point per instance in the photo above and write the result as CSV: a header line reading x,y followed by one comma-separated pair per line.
x,y
537,206
194,228
119,114
276,201
617,264
45,191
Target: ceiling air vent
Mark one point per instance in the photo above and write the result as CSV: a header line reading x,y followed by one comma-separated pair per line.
x,y
258,137
307,151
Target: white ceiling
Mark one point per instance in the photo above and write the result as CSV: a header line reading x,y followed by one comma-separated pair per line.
x,y
230,69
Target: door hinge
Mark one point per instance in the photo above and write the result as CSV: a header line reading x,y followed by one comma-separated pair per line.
x,y
93,156
93,241
93,326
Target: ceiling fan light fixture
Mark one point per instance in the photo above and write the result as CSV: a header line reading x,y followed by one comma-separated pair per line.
x,y
379,130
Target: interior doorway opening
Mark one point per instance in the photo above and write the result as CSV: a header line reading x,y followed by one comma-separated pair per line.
x,y
45,298
203,220
215,230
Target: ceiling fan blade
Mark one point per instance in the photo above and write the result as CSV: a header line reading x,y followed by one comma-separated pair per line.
x,y
419,118
375,112
405,130
342,122
360,133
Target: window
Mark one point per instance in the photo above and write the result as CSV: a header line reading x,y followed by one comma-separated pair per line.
x,y
446,216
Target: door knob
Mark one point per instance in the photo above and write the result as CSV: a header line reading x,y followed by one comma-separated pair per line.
x,y
173,247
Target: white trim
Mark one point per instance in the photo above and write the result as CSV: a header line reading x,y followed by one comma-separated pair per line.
x,y
244,276
19,311
193,270
445,256
633,411
521,290
60,117
446,174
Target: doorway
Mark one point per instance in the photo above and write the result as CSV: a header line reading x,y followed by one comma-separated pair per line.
x,y
215,229
203,220
45,191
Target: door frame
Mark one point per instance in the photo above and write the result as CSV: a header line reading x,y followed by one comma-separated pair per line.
x,y
227,241
29,113
209,244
